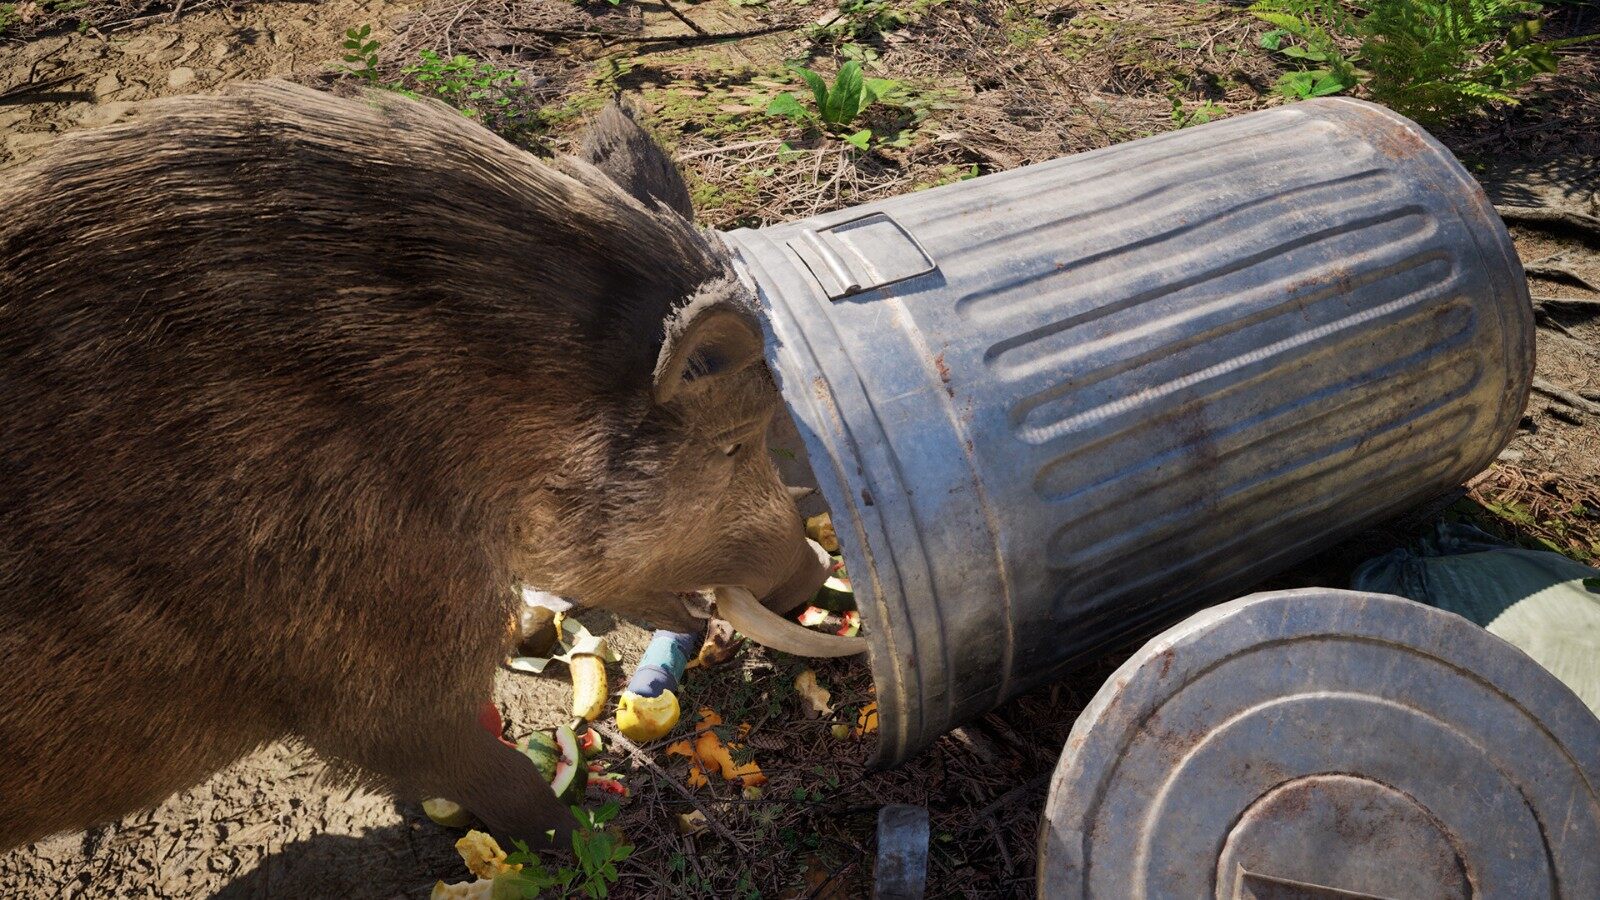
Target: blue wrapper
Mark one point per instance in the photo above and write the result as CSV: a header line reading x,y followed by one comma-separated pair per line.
x,y
663,663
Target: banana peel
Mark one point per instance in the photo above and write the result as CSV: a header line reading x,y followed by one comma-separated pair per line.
x,y
588,686
586,656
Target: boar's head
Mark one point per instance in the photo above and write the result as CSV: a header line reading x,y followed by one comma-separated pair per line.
x,y
690,497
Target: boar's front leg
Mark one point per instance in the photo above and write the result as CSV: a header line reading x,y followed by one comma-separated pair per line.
x,y
459,760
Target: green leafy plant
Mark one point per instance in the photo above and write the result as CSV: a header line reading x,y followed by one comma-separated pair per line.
x,y
1309,31
1432,60
359,48
1442,58
836,105
597,852
1183,117
462,78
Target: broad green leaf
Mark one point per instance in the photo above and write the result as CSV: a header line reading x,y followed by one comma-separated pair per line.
x,y
1326,85
1302,53
861,140
878,88
844,101
819,88
786,105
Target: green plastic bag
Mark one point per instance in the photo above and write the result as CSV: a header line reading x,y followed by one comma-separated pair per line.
x,y
1543,603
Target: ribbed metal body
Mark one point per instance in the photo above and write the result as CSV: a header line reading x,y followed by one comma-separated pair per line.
x,y
1055,406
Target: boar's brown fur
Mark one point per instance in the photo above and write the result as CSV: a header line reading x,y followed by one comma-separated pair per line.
x,y
294,388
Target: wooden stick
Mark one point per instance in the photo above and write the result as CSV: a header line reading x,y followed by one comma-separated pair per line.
x,y
1578,302
1570,398
678,14
622,741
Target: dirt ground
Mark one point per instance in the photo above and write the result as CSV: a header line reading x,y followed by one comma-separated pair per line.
x,y
993,85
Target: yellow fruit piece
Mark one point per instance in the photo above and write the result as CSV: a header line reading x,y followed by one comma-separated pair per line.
x,y
482,889
644,719
867,722
588,686
483,856
814,697
820,529
446,813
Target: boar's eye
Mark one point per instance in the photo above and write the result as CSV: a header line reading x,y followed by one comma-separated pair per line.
x,y
731,449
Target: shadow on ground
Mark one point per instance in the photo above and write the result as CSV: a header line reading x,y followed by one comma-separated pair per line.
x,y
391,861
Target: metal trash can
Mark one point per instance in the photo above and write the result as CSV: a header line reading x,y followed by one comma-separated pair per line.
x,y
1052,407
1322,743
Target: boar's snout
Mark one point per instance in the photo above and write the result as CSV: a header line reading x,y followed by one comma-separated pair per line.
x,y
799,581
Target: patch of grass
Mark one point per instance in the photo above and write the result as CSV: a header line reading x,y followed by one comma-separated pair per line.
x,y
1185,116
1023,29
859,21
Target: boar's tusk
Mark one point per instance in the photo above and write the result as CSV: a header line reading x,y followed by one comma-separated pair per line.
x,y
799,493
749,617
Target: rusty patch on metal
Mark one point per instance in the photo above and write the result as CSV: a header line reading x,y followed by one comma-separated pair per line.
x,y
1397,143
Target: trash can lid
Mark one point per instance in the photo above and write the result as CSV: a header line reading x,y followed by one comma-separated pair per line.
x,y
1323,743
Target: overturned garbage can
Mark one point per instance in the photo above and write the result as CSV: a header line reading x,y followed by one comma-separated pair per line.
x,y
1050,408
1323,743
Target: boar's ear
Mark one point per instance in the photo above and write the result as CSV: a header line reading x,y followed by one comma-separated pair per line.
x,y
710,337
617,146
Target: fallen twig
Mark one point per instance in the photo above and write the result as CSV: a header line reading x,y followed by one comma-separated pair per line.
x,y
678,14
1570,398
1577,302
1542,215
622,37
617,738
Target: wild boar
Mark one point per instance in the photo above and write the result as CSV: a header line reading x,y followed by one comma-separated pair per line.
x,y
294,387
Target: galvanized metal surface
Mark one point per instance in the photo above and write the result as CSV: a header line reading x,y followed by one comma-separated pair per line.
x,y
901,870
1334,740
1051,407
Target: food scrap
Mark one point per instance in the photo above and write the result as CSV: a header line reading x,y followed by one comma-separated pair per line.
x,y
813,616
586,655
446,812
645,719
867,721
691,823
487,861
589,687
814,698
707,753
721,645
648,708
851,626
820,529
483,855
560,759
